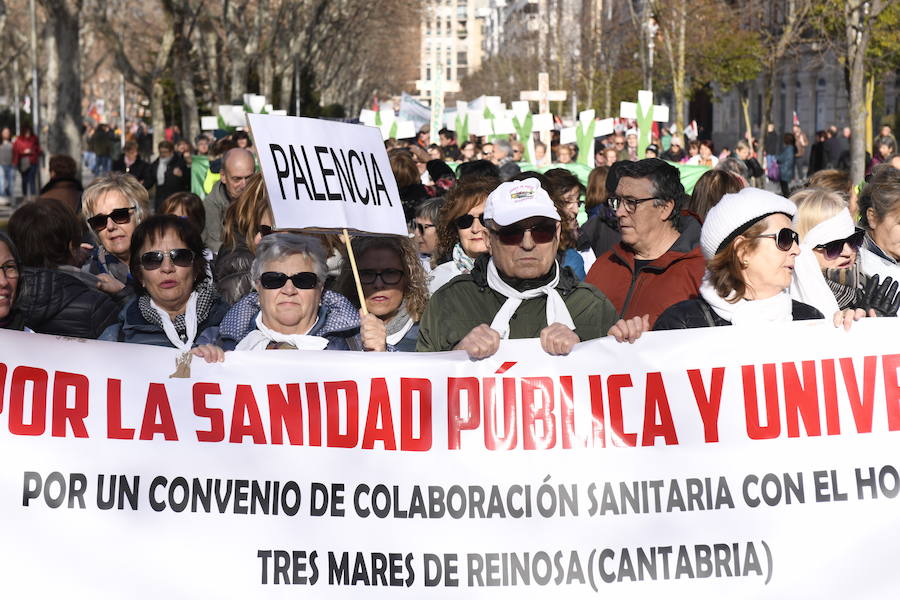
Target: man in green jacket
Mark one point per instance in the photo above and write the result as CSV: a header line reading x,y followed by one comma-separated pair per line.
x,y
520,290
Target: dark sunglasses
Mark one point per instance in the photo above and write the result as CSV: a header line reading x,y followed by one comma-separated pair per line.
x,y
273,280
388,276
541,233
784,239
181,257
833,249
420,227
120,216
466,221
264,230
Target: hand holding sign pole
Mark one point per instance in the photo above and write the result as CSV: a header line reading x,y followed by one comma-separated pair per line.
x,y
325,177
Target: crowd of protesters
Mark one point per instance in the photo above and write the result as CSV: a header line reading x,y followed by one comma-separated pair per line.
x,y
496,249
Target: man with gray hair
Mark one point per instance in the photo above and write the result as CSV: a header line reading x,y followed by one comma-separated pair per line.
x,y
238,165
502,157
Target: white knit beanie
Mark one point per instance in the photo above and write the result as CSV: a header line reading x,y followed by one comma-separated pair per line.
x,y
736,213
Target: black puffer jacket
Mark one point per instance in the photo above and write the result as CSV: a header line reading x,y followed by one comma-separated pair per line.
x,y
696,312
231,272
57,303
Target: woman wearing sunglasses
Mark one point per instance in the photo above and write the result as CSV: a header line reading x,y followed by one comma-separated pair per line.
x,y
113,205
751,251
827,274
460,230
289,309
177,304
393,283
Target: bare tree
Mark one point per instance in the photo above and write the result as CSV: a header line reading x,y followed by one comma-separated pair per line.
x,y
63,84
859,17
141,68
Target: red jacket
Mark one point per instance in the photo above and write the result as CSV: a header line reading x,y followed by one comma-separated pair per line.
x,y
26,146
671,278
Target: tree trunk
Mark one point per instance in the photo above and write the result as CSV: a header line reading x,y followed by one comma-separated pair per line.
x,y
187,97
183,74
768,97
745,110
267,78
857,19
63,83
287,79
870,99
158,115
213,68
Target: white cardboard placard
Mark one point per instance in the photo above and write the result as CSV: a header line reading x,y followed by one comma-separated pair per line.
x,y
326,175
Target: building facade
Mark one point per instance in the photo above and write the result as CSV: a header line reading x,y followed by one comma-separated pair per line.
x,y
452,37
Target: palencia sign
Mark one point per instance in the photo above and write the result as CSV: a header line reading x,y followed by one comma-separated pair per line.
x,y
326,176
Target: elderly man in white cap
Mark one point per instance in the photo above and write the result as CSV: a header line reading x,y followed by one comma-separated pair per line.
x,y
519,290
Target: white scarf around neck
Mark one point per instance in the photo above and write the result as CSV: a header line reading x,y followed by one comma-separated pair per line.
x,y
262,336
777,309
557,312
190,324
808,283
394,338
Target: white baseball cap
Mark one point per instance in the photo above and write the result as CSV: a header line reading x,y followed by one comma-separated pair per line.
x,y
515,201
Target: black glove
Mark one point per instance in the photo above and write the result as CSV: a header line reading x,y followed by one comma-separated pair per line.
x,y
883,298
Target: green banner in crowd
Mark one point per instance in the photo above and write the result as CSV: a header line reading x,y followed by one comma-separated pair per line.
x,y
199,169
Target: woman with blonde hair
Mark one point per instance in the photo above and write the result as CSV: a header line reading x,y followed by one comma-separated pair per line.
x,y
828,274
113,205
393,283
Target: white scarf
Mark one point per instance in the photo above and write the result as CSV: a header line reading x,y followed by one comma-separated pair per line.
x,y
190,324
777,309
395,338
557,312
808,284
260,338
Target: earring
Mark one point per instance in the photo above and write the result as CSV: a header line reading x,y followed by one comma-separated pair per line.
x,y
746,263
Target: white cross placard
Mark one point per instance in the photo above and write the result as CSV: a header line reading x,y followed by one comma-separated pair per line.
x,y
645,112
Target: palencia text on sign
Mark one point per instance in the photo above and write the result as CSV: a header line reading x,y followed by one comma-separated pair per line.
x,y
326,175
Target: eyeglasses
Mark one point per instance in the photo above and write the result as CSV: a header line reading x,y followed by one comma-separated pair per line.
x,y
120,216
388,276
630,204
466,221
273,280
834,248
10,270
784,239
421,227
181,257
264,230
541,233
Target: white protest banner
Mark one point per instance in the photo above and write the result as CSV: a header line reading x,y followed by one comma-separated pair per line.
x,y
325,175
692,464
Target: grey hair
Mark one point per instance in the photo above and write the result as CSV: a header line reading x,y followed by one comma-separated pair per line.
x,y
284,244
504,145
735,166
430,208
